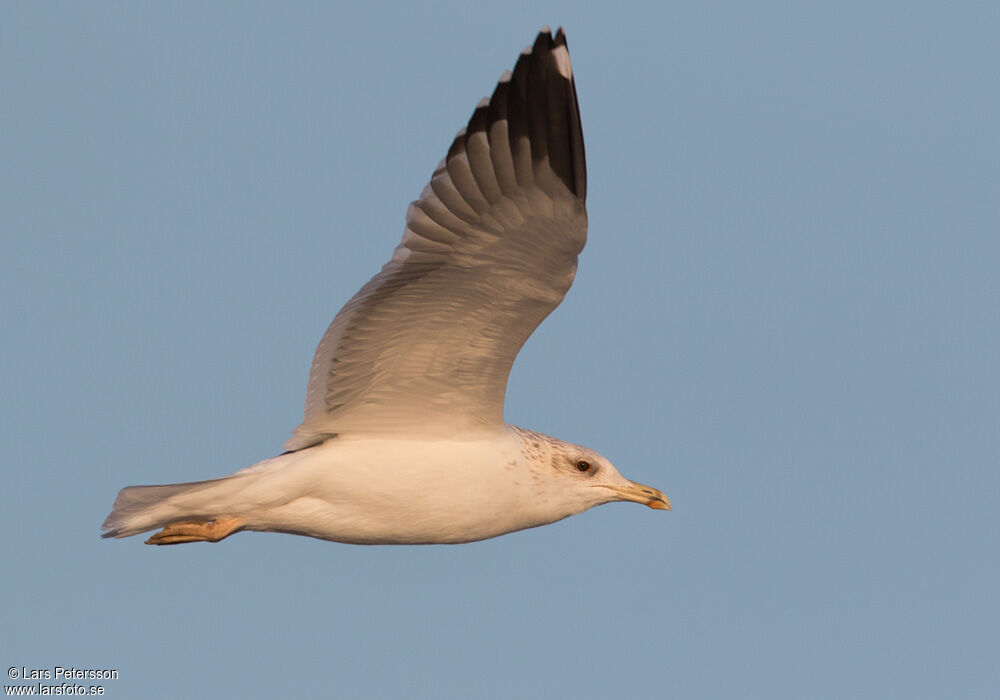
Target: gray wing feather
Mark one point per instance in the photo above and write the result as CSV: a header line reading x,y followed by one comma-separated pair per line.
x,y
489,250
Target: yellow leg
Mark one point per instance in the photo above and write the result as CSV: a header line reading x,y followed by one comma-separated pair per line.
x,y
197,531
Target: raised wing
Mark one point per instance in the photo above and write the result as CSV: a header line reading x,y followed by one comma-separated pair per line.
x,y
489,250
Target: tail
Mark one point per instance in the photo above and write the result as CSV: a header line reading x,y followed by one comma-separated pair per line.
x,y
141,508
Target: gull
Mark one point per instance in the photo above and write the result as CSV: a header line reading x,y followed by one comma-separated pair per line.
x,y
404,440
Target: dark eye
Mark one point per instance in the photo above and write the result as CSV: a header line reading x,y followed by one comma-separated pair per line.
x,y
583,465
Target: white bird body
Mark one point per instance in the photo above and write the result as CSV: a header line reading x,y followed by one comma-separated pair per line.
x,y
403,439
361,490
378,491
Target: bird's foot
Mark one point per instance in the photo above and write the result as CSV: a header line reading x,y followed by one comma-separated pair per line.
x,y
197,531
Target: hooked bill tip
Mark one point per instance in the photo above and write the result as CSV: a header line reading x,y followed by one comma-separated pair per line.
x,y
660,505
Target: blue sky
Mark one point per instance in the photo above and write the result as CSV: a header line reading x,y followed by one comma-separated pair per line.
x,y
786,318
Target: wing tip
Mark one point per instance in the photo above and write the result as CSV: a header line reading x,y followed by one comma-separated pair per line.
x,y
537,102
543,89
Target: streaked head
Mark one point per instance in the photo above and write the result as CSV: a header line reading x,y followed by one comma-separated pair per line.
x,y
593,475
580,478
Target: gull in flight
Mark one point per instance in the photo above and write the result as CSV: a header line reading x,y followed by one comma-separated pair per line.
x,y
403,440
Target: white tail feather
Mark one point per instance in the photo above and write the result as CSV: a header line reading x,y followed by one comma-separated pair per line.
x,y
142,508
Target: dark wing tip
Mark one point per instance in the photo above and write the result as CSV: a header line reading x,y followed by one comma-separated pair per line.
x,y
554,111
539,103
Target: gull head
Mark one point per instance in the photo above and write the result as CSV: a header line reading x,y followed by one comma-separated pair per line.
x,y
579,478
594,477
